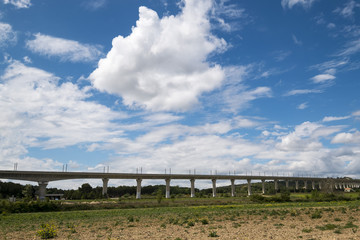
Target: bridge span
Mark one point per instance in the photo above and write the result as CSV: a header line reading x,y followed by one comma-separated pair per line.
x,y
44,177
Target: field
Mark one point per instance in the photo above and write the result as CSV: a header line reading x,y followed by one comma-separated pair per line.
x,y
224,220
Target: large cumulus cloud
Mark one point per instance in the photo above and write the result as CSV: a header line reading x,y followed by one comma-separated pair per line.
x,y
163,64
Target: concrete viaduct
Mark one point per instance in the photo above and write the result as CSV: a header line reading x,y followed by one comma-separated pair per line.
x,y
43,178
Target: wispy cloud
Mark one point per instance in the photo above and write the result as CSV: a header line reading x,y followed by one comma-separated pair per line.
x,y
66,50
296,41
291,3
302,91
350,48
19,3
94,4
330,118
348,10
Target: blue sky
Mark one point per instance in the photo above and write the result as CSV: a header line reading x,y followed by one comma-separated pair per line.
x,y
211,85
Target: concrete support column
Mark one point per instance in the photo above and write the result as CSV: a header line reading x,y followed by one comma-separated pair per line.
x,y
263,185
287,184
214,187
297,185
138,188
105,185
305,184
276,185
42,190
232,187
320,185
313,185
192,191
249,186
167,193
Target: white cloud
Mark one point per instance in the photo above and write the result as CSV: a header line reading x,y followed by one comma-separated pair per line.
x,y
330,119
7,35
305,137
348,10
303,106
66,50
19,3
291,3
347,138
331,26
302,91
323,78
356,113
162,64
38,112
27,59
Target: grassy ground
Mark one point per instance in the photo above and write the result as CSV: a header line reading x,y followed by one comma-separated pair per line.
x,y
232,219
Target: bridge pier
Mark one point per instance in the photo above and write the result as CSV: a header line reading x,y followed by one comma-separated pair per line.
x,y
105,185
320,185
138,188
167,193
192,191
297,185
276,185
213,187
249,187
232,187
42,190
313,185
287,184
263,185
305,184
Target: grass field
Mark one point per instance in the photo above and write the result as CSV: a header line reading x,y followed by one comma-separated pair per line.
x,y
221,218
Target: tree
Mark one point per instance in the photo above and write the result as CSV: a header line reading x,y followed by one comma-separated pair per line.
x,y
85,188
29,192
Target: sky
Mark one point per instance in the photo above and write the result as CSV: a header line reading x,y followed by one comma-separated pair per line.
x,y
211,86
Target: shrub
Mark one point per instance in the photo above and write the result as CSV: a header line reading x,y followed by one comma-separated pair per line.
x,y
316,214
257,198
204,221
47,231
213,234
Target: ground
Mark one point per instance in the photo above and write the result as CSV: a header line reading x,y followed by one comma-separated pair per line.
x,y
337,220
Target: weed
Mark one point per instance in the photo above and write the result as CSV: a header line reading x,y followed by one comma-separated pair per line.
x,y
307,230
316,214
337,231
130,219
47,231
191,223
236,225
213,234
204,221
327,227
337,219
350,225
